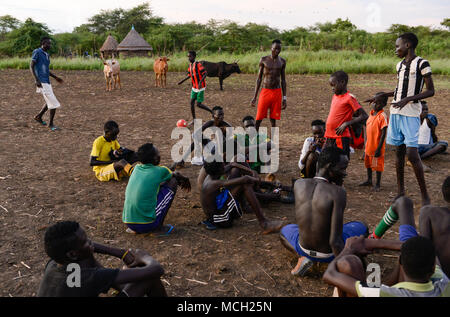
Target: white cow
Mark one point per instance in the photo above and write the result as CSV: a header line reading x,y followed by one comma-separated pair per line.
x,y
111,70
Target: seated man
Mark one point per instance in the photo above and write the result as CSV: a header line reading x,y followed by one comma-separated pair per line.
x,y
417,266
217,121
429,144
150,193
108,159
312,146
222,199
66,244
320,234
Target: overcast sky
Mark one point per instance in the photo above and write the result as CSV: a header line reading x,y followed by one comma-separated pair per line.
x,y
373,16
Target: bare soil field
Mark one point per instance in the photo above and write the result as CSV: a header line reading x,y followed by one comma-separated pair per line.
x,y
45,177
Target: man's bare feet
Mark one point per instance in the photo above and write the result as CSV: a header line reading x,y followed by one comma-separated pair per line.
x,y
376,188
366,183
272,226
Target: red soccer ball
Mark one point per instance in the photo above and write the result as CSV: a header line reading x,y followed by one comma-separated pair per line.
x,y
182,123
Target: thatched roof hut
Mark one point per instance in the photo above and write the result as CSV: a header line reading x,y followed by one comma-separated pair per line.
x,y
109,48
134,45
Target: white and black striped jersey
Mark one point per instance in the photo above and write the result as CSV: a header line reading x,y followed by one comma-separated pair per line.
x,y
410,83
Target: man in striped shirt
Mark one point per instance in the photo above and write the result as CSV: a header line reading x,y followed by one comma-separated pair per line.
x,y
197,73
404,122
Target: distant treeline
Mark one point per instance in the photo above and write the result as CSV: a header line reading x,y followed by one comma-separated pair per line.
x,y
20,38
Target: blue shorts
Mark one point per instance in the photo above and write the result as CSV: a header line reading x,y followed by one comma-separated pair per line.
x,y
407,232
403,130
164,201
426,147
350,229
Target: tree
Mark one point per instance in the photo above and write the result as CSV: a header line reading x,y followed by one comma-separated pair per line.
x,y
446,23
7,24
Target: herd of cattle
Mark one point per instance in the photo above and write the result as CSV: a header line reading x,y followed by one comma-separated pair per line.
x,y
222,70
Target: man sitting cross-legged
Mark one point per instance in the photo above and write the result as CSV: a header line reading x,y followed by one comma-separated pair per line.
x,y
320,233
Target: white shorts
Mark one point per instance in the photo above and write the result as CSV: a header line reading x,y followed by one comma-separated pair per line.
x,y
49,96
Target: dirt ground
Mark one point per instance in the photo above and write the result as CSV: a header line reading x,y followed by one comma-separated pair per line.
x,y
45,177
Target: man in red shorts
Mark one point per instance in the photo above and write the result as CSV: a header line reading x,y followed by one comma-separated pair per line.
x,y
271,69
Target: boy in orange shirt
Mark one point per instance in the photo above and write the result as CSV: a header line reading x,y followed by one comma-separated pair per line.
x,y
376,127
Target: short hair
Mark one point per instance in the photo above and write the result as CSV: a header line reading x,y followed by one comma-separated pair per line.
x,y
417,257
330,154
446,189
110,125
146,153
410,38
383,98
276,41
217,108
60,239
213,168
318,122
340,75
246,118
193,53
44,38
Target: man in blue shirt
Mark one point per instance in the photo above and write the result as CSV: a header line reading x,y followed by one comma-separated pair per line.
x,y
39,66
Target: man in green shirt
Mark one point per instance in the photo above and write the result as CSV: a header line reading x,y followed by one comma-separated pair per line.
x,y
150,192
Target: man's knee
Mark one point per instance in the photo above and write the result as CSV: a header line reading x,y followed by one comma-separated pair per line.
x,y
413,155
351,265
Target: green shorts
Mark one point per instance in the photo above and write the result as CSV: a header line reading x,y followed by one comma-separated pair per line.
x,y
199,96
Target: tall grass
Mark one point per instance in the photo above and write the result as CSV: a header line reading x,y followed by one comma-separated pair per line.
x,y
298,62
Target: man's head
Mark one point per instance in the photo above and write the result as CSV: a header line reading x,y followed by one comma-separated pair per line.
x,y
333,163
46,43
338,82
248,122
214,168
276,48
191,56
404,43
380,101
111,129
66,242
318,130
446,189
218,114
148,154
417,258
424,112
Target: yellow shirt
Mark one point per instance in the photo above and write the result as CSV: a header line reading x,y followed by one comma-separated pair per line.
x,y
101,149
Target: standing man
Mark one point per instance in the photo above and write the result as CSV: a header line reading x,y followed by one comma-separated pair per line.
x,y
198,75
404,122
39,66
271,68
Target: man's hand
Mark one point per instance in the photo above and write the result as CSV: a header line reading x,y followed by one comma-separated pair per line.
x,y
377,153
183,181
59,80
253,102
137,258
313,147
357,245
284,105
38,83
400,104
341,128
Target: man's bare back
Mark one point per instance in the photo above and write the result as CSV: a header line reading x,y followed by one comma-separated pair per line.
x,y
319,209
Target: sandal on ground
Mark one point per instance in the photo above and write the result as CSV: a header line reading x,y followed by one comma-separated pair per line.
x,y
302,267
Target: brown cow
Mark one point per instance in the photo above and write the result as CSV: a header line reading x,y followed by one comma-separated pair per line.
x,y
111,70
160,68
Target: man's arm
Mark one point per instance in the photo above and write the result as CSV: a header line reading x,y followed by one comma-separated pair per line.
x,y
258,81
432,130
95,162
337,221
179,83
283,84
144,267
429,92
386,94
59,80
36,78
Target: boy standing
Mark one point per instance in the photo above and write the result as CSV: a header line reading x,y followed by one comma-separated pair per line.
x,y
40,68
404,122
197,73
344,111
376,127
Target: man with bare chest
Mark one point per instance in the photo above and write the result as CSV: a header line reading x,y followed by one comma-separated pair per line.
x,y
320,233
273,93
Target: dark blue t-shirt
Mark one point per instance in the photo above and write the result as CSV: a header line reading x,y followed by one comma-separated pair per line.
x,y
42,66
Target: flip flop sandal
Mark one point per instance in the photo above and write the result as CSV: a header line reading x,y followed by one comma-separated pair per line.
x,y
305,265
40,121
55,128
209,225
169,231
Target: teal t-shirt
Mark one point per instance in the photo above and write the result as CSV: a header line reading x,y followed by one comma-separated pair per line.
x,y
254,160
142,193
